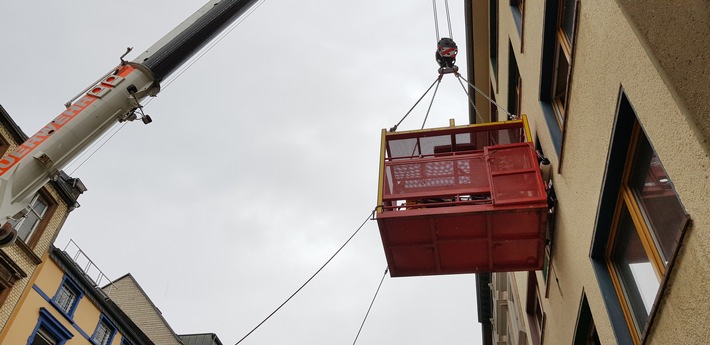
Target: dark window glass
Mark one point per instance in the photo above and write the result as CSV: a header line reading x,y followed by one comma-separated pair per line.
x,y
27,226
657,200
44,338
567,19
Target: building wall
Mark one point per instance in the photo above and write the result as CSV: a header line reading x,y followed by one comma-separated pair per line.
x,y
133,301
45,284
28,258
611,54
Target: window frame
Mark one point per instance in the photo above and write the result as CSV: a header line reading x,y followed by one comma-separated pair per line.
x,y
493,31
606,218
103,320
36,233
517,7
533,304
563,49
515,84
629,202
549,71
78,295
585,330
49,324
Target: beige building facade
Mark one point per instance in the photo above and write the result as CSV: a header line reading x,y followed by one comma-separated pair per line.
x,y
616,92
133,300
50,209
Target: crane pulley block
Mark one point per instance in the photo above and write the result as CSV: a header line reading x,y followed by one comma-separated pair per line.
x,y
446,50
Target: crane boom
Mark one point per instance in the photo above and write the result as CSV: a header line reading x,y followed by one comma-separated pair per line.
x,y
115,97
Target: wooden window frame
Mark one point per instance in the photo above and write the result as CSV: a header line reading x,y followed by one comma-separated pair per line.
x,y
519,7
563,49
493,33
627,201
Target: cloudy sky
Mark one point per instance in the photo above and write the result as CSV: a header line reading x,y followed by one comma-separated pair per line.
x,y
260,163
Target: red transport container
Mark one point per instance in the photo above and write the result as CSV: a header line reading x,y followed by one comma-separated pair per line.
x,y
463,199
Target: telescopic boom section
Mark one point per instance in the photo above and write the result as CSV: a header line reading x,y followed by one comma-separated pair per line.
x,y
115,97
168,54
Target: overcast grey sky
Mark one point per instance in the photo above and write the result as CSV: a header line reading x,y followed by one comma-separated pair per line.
x,y
261,161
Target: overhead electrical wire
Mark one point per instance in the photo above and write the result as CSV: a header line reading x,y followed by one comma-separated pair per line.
x,y
369,216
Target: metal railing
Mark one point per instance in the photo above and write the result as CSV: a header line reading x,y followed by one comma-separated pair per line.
x,y
90,269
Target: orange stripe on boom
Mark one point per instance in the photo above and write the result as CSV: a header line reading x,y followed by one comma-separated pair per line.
x,y
12,158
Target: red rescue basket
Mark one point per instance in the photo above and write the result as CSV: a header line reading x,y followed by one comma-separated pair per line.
x,y
463,199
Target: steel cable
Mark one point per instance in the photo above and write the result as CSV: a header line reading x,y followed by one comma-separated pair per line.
x,y
448,19
371,303
431,102
369,216
436,20
394,128
485,96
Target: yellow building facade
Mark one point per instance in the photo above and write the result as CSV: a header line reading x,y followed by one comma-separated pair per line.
x,y
616,93
63,306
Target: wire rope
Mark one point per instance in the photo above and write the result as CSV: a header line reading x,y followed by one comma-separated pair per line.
x,y
369,216
486,96
394,128
371,303
436,20
431,102
448,19
98,148
470,100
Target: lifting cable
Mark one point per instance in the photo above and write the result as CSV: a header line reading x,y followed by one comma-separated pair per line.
x,y
490,100
369,216
436,20
438,80
371,303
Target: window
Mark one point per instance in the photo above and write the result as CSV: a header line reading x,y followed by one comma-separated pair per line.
x,y
515,84
648,219
585,332
640,223
518,9
533,307
556,71
10,272
44,337
563,58
104,332
493,36
48,331
31,224
67,296
494,107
